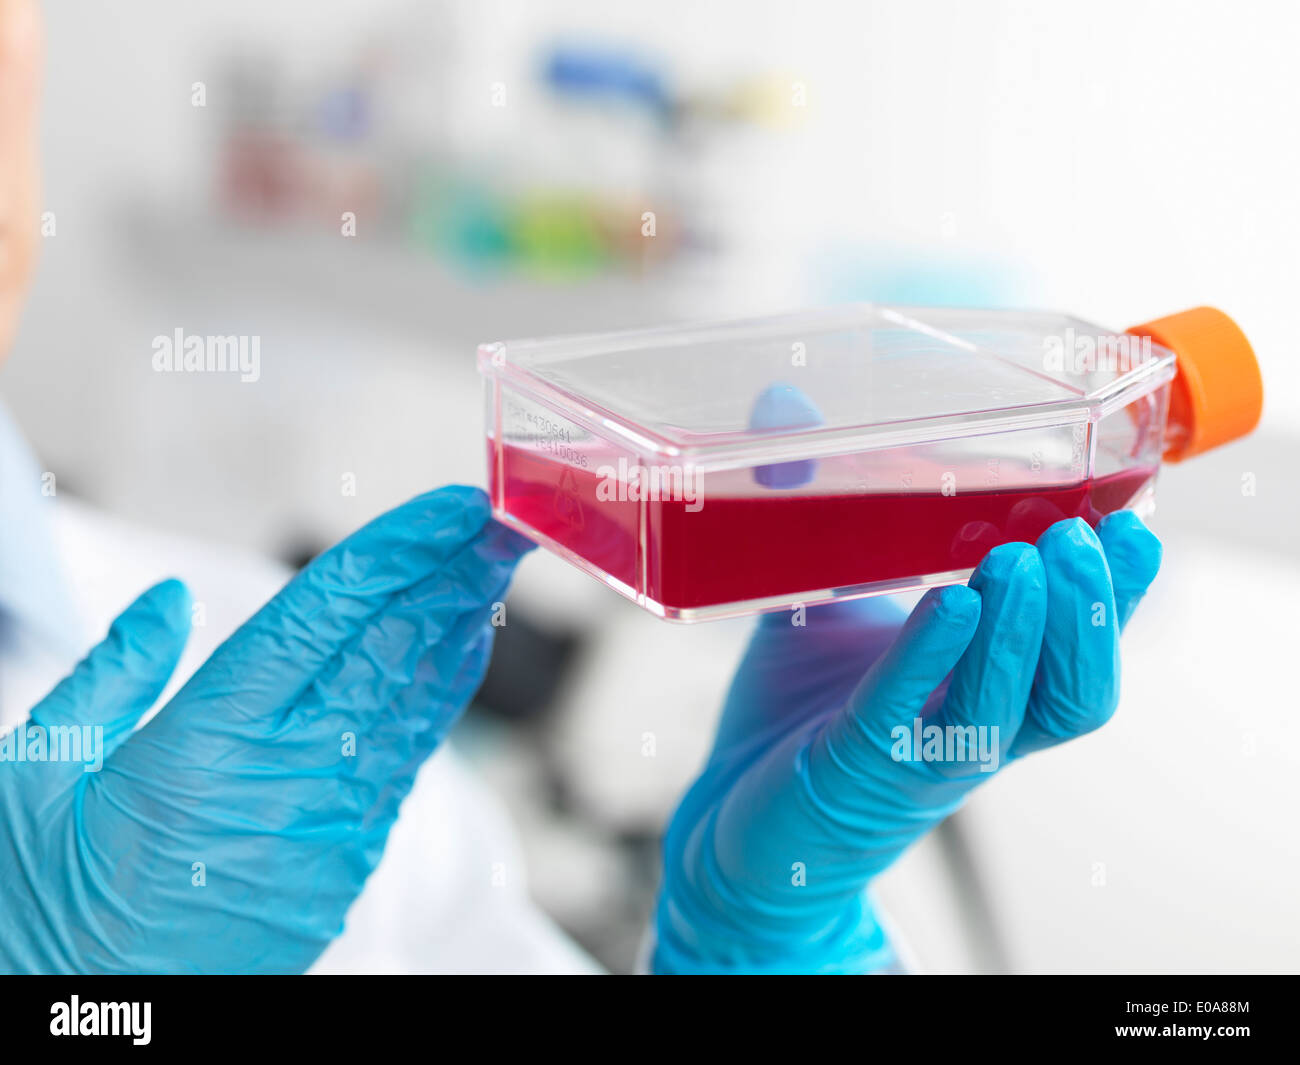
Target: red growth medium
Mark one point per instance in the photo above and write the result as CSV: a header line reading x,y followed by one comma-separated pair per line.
x,y
730,548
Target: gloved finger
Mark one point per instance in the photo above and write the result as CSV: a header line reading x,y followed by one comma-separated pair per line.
x,y
1077,685
426,630
126,672
991,684
782,406
285,644
392,752
897,686
1133,553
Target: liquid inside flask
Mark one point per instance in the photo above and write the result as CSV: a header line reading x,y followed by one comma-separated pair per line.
x,y
730,468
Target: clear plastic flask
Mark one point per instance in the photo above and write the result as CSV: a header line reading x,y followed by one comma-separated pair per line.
x,y
728,468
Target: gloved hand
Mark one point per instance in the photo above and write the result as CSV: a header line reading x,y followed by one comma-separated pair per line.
x,y
232,831
816,783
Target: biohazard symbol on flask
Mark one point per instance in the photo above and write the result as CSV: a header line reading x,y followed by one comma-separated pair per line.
x,y
568,504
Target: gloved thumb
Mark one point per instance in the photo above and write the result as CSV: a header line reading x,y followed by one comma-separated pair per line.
x,y
895,689
126,672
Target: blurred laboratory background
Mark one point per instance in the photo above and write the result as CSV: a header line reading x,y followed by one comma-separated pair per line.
x,y
373,188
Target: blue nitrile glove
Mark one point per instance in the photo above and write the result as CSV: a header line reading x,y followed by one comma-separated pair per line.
x,y
232,831
815,784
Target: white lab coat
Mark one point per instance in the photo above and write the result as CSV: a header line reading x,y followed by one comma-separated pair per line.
x,y
449,895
